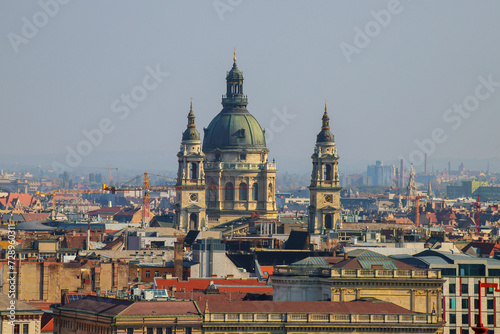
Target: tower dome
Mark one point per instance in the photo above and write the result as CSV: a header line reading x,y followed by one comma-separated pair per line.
x,y
325,136
234,128
191,133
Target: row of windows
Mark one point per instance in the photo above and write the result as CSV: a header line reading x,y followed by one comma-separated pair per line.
x,y
470,270
452,288
490,318
490,304
158,330
87,327
157,273
25,327
243,192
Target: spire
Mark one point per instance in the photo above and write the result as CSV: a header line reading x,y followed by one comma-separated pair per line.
x,y
326,119
325,135
191,133
234,56
191,116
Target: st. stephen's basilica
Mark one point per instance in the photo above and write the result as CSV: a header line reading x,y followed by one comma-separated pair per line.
x,y
229,176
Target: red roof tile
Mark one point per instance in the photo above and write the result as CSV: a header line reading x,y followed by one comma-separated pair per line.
x,y
35,216
202,297
11,198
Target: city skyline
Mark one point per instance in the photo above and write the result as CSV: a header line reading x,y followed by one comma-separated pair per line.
x,y
395,74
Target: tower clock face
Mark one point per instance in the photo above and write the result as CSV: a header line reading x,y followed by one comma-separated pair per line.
x,y
193,198
328,198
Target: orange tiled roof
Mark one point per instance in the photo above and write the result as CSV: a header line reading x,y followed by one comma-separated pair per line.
x,y
19,198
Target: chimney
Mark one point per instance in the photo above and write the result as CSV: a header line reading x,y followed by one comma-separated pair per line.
x,y
178,259
345,255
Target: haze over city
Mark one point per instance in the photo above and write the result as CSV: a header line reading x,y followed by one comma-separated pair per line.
x,y
392,72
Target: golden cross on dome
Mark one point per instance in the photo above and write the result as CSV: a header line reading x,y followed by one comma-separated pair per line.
x,y
325,105
234,55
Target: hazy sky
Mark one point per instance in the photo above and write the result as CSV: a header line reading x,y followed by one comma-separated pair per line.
x,y
392,72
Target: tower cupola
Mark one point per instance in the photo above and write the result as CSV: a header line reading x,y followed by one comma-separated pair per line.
x,y
191,133
234,87
325,136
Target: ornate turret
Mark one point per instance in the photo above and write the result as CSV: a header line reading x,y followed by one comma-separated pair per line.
x,y
191,133
325,135
324,209
190,188
234,88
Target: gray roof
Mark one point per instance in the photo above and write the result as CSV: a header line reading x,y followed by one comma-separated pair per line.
x,y
34,226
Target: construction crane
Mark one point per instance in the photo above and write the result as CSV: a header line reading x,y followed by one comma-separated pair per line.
x,y
146,188
477,206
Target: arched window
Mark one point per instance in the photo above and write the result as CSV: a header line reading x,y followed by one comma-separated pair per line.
x,y
193,221
243,193
255,192
229,192
193,171
328,172
328,221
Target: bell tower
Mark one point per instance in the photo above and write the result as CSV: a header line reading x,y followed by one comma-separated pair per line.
x,y
324,209
190,207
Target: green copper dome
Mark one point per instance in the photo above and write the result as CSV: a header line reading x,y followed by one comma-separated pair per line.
x,y
234,128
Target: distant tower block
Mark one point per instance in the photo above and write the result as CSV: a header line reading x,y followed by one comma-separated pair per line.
x,y
402,172
412,188
425,163
324,209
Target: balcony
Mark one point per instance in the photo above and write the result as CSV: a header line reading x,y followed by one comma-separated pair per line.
x,y
239,166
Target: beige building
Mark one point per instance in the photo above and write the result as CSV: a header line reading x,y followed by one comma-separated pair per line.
x,y
315,317
365,275
324,208
117,316
45,281
19,317
110,316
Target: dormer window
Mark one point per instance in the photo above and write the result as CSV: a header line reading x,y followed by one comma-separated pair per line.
x,y
241,133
